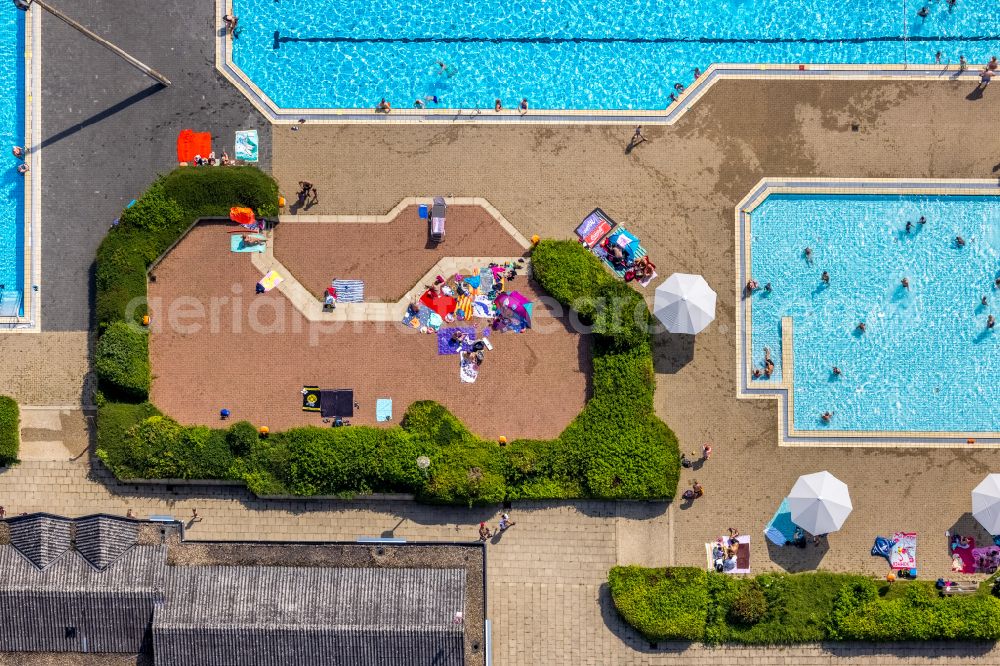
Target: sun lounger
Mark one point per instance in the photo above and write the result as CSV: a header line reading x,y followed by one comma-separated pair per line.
x,y
438,213
236,243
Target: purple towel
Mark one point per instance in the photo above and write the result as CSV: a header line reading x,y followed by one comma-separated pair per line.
x,y
444,340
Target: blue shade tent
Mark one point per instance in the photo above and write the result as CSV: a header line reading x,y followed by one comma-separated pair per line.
x,y
781,529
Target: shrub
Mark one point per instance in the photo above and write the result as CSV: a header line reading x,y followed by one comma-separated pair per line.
x,y
10,430
622,318
662,604
152,211
749,606
795,608
570,274
212,192
121,362
242,437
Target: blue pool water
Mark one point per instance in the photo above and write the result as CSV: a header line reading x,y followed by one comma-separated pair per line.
x,y
572,54
926,362
11,133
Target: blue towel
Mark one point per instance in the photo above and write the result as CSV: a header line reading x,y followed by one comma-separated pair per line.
x,y
236,243
349,291
383,409
781,529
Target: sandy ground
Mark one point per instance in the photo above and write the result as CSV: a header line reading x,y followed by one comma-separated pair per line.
x,y
677,191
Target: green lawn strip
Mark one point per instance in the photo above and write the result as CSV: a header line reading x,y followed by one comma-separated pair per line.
x,y
615,448
10,430
689,604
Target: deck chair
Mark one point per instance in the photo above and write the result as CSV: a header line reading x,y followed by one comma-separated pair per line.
x,y
437,219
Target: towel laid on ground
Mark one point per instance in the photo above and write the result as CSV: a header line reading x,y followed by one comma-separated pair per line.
x,y
904,551
965,556
236,243
350,291
483,307
271,280
742,565
601,253
984,560
445,345
781,529
467,372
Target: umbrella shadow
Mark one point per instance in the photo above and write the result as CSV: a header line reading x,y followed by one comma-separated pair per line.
x,y
968,526
672,351
795,559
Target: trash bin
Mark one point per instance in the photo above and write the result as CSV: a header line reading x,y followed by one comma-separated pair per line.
x,y
423,211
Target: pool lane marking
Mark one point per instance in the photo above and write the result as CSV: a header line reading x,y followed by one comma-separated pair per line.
x,y
470,39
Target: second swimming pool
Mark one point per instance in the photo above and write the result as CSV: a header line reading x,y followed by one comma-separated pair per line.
x,y
927,362
572,54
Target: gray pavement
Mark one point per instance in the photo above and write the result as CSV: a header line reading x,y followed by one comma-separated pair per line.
x,y
108,130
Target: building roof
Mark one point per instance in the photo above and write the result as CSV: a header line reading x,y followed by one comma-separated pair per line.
x,y
53,598
118,585
292,615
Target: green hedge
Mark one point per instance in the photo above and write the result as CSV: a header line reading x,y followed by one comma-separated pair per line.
x,y
10,430
615,448
683,603
158,218
121,361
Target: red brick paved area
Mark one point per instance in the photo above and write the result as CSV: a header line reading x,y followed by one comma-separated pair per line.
x,y
531,385
389,257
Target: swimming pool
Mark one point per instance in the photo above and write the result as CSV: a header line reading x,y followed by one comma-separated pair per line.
x,y
927,361
11,182
571,54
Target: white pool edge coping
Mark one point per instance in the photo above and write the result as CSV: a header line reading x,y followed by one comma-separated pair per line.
x,y
30,321
783,390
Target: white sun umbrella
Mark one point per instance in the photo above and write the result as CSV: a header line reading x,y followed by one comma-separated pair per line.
x,y
819,503
986,503
684,303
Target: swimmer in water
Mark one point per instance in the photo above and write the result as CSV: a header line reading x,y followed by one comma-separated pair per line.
x,y
990,322
861,328
959,241
827,417
922,221
906,283
498,106
808,254
909,226
836,371
924,12
825,277
523,106
983,300
433,99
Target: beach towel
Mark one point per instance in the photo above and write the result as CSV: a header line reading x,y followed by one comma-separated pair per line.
x,y
467,372
472,280
463,307
271,280
742,554
383,409
903,554
310,398
349,291
966,557
441,304
594,227
483,307
236,243
645,283
984,560
246,145
191,143
445,345
781,529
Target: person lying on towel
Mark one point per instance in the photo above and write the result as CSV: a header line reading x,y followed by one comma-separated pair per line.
x,y
250,241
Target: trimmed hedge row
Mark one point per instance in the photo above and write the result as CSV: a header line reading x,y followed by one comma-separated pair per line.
x,y
685,603
10,430
615,448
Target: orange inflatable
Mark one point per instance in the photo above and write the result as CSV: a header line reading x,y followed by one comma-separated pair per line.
x,y
241,215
